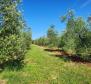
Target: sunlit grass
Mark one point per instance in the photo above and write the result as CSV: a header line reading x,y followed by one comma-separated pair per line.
x,y
43,68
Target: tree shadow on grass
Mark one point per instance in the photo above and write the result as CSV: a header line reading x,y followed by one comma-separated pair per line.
x,y
73,58
53,50
14,65
67,57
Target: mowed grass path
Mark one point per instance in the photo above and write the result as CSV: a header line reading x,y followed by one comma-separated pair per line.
x,y
43,68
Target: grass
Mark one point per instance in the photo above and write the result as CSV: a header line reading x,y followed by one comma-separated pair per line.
x,y
43,68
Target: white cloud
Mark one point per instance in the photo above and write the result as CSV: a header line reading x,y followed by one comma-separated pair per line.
x,y
86,3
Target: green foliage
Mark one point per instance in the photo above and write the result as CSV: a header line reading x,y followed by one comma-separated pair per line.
x,y
51,40
61,41
12,41
42,41
11,20
11,48
27,35
52,36
76,38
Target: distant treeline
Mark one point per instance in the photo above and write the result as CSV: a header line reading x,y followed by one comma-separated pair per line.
x,y
76,39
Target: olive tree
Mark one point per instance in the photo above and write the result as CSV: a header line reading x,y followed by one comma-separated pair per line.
x,y
77,36
11,41
52,36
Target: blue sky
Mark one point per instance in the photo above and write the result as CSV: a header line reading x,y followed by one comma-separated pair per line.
x,y
40,14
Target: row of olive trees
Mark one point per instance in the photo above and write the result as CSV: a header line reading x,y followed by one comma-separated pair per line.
x,y
13,38
51,40
42,41
76,39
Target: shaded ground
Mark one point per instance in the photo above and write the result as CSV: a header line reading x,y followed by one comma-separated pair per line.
x,y
67,57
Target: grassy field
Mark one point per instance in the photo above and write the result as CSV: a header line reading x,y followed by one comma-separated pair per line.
x,y
43,68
